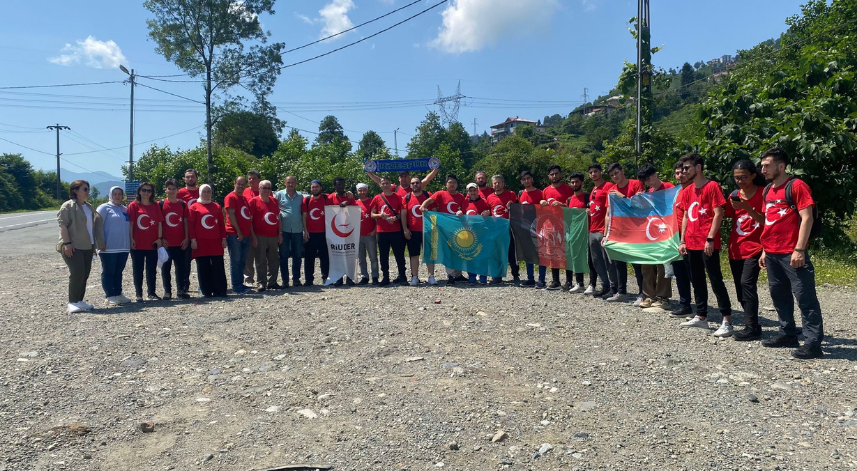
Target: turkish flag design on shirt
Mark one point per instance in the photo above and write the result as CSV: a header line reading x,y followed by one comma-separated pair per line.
x,y
205,224
698,205
498,203
174,218
415,216
782,223
746,233
367,224
265,216
314,209
188,196
392,209
249,194
145,218
242,214
561,193
598,206
533,196
447,203
474,207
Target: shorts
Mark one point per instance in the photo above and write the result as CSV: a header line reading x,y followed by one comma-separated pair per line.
x,y
415,244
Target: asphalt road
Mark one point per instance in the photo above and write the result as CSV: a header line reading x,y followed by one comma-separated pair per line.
x,y
22,233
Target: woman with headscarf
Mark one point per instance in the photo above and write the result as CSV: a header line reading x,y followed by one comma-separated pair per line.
x,y
80,234
208,239
117,245
146,235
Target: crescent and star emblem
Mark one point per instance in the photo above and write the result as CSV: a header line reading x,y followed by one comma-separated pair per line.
x,y
470,212
312,211
662,227
415,213
339,232
740,223
449,207
167,220
140,222
202,221
268,221
499,211
191,202
690,211
781,212
245,213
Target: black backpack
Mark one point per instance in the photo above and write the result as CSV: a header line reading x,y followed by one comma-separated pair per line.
x,y
817,222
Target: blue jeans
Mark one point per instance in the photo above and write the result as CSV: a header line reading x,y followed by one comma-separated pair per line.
x,y
292,247
472,278
531,272
112,266
238,251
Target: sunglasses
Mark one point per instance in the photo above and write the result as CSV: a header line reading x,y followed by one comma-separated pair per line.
x,y
145,190
85,189
264,187
741,179
686,168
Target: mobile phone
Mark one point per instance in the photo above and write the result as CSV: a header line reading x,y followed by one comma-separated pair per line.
x,y
735,197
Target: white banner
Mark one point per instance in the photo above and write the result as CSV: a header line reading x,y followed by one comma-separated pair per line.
x,y
342,228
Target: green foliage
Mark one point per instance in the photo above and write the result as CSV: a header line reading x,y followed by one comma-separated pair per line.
x,y
371,147
451,146
250,132
20,185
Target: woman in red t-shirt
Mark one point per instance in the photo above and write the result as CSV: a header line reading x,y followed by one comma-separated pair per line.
x,y
207,240
145,219
745,209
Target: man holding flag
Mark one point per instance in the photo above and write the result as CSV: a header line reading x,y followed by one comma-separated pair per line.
x,y
499,201
657,288
624,187
597,215
556,194
531,195
413,228
388,211
448,201
341,198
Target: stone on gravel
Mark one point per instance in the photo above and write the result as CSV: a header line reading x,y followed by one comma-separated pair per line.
x,y
752,398
308,413
499,436
453,446
147,427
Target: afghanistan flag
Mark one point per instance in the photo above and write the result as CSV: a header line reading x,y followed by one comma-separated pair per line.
x,y
473,244
644,228
551,236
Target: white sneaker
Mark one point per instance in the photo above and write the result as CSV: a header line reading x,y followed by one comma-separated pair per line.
x,y
696,322
85,306
431,280
639,301
74,308
615,298
589,290
113,301
725,330
575,289
123,299
414,281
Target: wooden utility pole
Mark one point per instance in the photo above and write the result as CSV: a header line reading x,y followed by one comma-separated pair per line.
x,y
59,181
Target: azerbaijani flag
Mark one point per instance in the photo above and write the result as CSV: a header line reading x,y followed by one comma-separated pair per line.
x,y
474,244
551,236
644,228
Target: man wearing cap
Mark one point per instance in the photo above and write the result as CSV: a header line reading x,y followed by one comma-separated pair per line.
x,y
368,239
404,186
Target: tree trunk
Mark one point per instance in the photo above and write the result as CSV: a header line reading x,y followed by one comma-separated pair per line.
x,y
210,178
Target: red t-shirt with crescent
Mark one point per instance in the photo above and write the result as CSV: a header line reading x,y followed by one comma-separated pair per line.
x,y
145,218
598,206
205,224
188,196
243,216
315,212
698,205
560,193
336,200
265,216
745,236
782,223
534,196
486,191
415,216
447,203
249,194
474,207
392,209
174,217
497,203
367,224
577,201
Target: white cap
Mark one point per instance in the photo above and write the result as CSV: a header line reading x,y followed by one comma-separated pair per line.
x,y
362,185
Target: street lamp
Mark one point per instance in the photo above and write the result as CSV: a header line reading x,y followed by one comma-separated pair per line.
x,y
131,147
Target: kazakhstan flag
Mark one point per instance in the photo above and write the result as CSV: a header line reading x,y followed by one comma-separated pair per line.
x,y
473,244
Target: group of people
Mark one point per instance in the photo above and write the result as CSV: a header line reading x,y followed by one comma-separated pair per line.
x,y
263,231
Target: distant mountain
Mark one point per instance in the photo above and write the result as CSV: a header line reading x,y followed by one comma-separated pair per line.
x,y
100,180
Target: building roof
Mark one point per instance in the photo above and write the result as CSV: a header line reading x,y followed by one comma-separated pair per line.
x,y
512,120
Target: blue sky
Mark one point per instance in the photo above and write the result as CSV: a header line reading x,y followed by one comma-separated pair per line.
x,y
509,55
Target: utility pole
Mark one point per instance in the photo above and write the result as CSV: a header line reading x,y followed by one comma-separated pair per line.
x,y
474,126
396,142
131,147
59,181
585,97
644,57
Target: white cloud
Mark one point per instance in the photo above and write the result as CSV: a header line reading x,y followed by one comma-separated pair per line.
x,y
305,19
334,16
91,53
239,8
589,5
470,25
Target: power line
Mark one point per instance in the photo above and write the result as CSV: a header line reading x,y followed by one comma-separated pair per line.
x,y
25,147
60,85
168,93
143,142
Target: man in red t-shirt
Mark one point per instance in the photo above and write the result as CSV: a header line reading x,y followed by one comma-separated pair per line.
x,y
250,192
388,210
485,190
176,240
447,201
557,194
499,201
657,288
239,233
601,264
189,194
368,240
315,243
703,204
267,236
580,200
404,186
788,222
413,228
681,269
624,188
531,195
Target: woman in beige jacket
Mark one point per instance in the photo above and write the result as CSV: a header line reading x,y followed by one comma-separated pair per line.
x,y
80,233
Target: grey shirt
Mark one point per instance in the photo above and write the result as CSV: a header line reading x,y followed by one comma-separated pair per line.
x,y
117,236
290,211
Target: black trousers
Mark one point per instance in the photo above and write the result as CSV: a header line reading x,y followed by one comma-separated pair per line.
x,y
700,265
396,241
188,259
746,275
212,275
789,284
177,258
148,260
682,281
513,256
622,272
316,246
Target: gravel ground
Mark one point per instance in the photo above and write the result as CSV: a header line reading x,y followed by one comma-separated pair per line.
x,y
361,378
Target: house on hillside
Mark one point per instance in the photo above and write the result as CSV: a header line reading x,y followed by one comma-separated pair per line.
x,y
507,128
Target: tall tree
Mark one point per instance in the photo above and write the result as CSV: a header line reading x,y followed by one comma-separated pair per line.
x,y
329,130
207,38
370,145
251,132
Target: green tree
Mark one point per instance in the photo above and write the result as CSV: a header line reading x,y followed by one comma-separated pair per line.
x,y
208,38
283,161
329,131
250,132
371,145
451,146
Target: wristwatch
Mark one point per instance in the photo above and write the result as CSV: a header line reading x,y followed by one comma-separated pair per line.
x,y
710,239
